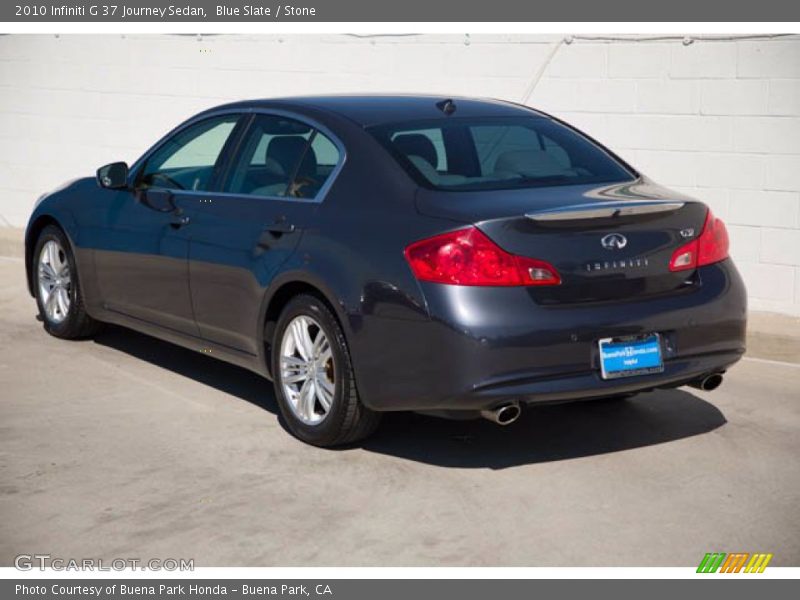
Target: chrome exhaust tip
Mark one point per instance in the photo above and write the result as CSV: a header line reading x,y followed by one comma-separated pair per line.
x,y
708,383
504,414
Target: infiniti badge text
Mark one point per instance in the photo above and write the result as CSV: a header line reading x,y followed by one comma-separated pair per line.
x,y
627,263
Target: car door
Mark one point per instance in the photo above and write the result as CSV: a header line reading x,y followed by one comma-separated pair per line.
x,y
141,259
243,233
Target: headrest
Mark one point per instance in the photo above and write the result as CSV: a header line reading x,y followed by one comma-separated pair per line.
x,y
286,150
416,144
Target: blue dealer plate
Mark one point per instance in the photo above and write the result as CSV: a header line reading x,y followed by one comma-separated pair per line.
x,y
625,357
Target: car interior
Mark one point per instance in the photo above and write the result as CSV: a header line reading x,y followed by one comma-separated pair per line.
x,y
282,157
547,162
288,166
463,155
279,157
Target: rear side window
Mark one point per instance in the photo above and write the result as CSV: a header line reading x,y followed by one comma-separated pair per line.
x,y
281,157
498,153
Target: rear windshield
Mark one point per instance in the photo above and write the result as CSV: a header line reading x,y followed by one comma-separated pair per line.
x,y
454,153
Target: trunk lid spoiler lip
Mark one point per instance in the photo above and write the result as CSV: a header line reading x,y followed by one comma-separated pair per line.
x,y
604,210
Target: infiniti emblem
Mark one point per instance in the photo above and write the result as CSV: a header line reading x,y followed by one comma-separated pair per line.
x,y
614,241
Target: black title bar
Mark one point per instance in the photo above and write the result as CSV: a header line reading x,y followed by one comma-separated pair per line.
x,y
210,11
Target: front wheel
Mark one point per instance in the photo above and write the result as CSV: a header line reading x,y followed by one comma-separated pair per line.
x,y
314,382
56,286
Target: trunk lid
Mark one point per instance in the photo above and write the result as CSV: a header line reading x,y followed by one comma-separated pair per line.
x,y
607,243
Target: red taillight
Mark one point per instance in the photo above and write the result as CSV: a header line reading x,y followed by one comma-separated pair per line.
x,y
713,243
710,247
468,257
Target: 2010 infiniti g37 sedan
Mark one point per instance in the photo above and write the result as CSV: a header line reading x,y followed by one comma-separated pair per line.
x,y
457,257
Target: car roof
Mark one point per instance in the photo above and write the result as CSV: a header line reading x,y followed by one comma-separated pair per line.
x,y
367,110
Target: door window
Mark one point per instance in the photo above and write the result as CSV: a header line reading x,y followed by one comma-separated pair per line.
x,y
282,157
187,161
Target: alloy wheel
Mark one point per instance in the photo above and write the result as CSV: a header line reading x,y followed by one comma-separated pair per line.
x,y
55,282
307,373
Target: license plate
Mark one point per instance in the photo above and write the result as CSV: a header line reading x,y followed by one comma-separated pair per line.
x,y
629,356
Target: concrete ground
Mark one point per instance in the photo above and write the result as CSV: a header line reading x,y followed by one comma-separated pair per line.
x,y
127,447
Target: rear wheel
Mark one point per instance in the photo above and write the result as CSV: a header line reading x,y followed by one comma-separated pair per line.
x,y
314,382
56,286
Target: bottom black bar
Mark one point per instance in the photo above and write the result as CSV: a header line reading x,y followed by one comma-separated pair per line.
x,y
744,587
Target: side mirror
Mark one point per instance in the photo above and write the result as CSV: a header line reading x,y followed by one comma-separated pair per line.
x,y
113,176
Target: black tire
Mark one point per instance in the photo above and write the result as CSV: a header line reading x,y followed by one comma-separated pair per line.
x,y
77,323
347,420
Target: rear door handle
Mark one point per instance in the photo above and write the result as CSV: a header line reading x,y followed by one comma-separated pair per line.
x,y
179,221
274,232
281,227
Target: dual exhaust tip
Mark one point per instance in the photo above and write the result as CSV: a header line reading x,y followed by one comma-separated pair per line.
x,y
507,413
707,383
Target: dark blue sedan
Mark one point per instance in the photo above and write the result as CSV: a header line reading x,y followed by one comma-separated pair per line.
x,y
380,253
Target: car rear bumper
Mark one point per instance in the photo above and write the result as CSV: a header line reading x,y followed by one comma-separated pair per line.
x,y
588,384
483,346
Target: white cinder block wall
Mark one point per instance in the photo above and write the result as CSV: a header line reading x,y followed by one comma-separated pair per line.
x,y
717,119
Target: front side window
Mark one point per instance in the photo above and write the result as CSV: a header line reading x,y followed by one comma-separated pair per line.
x,y
498,153
282,157
187,160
